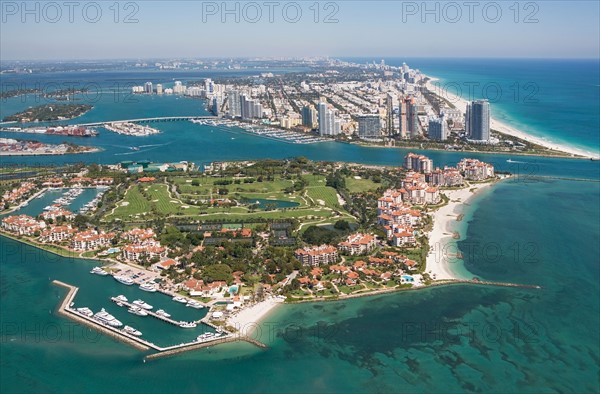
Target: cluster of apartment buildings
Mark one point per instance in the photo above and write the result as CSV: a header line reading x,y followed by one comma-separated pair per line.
x,y
17,194
143,245
23,225
397,218
355,244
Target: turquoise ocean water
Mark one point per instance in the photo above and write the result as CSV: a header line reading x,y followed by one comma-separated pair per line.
x,y
447,339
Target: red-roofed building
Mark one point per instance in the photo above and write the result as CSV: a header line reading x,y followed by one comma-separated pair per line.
x,y
57,234
22,225
166,264
91,239
358,243
138,252
315,255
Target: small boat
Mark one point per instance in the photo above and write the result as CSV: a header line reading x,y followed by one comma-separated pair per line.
x,y
148,287
142,304
132,331
121,298
85,311
123,279
180,299
185,324
136,310
161,312
98,271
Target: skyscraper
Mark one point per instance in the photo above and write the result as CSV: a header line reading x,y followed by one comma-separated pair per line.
x,y
409,126
148,87
323,119
389,104
369,126
438,129
233,101
309,117
159,89
412,125
477,120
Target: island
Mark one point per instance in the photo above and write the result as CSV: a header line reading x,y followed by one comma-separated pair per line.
x,y
13,147
49,112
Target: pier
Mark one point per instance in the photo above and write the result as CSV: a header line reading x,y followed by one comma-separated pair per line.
x,y
65,309
150,312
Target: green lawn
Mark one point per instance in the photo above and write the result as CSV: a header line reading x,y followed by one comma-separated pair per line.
x,y
133,203
360,185
323,196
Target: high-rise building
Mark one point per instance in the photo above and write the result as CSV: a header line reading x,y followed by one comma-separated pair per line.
x,y
389,105
408,126
323,119
369,126
216,105
233,101
477,120
411,118
148,88
309,117
159,89
208,86
438,129
178,88
250,108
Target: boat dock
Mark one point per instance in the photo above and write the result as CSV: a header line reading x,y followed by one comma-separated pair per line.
x,y
65,309
150,312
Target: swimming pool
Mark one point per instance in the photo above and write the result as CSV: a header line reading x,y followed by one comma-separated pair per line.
x,y
408,278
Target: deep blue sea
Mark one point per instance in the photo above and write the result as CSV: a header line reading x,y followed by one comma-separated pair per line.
x,y
460,338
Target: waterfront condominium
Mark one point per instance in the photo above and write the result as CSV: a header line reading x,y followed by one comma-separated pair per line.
x,y
438,129
369,126
477,120
408,126
328,125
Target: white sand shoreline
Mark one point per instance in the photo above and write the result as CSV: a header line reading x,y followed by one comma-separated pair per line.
x,y
248,319
461,104
443,249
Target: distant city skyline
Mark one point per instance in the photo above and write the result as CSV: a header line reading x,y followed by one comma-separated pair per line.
x,y
155,29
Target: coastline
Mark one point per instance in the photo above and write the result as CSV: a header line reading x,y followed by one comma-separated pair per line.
x,y
443,251
8,154
248,319
461,104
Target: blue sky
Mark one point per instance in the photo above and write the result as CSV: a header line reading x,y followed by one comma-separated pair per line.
x,y
161,29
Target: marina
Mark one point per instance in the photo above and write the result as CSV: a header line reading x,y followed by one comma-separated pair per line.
x,y
131,336
120,301
263,131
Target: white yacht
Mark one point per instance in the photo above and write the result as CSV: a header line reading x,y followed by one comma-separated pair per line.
x,y
98,271
132,331
136,310
185,324
148,287
195,304
121,298
162,313
142,304
123,279
180,299
106,318
85,311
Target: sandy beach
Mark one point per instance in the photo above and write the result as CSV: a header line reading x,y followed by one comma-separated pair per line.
x,y
442,245
247,319
461,104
